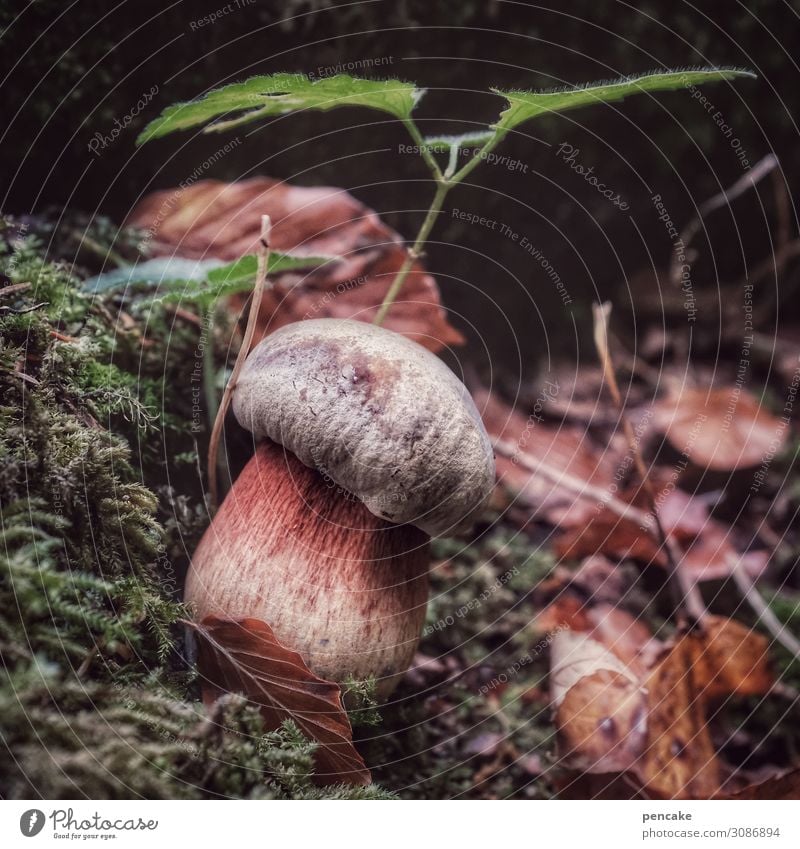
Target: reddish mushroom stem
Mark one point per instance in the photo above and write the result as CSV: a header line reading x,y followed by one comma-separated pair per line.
x,y
344,588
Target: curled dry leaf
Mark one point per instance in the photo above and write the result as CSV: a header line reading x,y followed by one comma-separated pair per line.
x,y
244,656
719,429
644,714
223,220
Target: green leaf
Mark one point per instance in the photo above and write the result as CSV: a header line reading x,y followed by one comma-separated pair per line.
x,y
525,105
198,281
279,94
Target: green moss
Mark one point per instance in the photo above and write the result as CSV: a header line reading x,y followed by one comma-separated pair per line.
x,y
95,696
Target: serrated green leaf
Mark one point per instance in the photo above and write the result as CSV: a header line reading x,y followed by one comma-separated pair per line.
x,y
198,281
442,144
279,94
525,105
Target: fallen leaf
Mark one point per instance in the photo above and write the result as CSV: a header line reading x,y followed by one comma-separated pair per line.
x,y
627,637
712,556
562,447
708,552
223,220
783,786
566,612
244,656
732,659
644,712
719,429
679,760
703,665
600,705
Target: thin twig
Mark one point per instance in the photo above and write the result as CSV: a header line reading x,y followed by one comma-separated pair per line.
x,y
575,485
743,184
689,601
783,208
252,320
14,289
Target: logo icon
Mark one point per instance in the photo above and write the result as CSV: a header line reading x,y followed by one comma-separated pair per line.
x,y
31,822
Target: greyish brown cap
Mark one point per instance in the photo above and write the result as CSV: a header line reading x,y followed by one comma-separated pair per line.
x,y
374,412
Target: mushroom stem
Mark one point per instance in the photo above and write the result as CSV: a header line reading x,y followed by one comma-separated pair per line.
x,y
344,588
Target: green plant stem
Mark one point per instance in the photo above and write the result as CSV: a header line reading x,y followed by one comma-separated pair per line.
x,y
424,149
416,250
444,182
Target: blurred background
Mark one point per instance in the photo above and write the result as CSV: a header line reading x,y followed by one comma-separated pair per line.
x,y
77,69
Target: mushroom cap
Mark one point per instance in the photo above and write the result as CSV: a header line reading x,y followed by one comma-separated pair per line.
x,y
376,414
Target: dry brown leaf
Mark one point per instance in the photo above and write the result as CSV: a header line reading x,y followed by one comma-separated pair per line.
x,y
732,659
613,628
712,556
223,220
567,448
566,612
708,551
244,656
783,786
721,659
719,429
679,761
618,710
602,723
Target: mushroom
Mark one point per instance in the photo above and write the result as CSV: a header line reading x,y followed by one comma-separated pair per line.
x,y
369,444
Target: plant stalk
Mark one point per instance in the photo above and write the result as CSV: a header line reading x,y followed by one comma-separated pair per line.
x,y
414,252
444,182
250,329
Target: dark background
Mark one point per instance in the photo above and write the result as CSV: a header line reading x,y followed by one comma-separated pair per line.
x,y
70,70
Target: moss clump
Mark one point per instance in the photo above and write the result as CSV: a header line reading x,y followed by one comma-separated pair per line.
x,y
95,522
